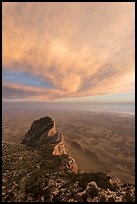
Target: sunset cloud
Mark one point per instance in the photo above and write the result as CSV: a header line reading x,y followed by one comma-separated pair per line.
x,y
81,49
13,90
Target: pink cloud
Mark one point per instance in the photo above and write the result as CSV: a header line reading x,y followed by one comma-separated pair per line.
x,y
81,54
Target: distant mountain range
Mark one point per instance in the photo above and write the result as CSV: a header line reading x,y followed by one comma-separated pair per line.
x,y
41,169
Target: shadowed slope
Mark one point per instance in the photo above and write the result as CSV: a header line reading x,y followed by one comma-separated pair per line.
x,y
41,169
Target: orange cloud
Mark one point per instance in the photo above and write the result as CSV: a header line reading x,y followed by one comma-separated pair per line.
x,y
12,90
82,49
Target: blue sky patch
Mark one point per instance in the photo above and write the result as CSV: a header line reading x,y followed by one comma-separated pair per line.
x,y
25,79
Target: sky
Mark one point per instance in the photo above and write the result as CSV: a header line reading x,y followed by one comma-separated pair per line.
x,y
78,52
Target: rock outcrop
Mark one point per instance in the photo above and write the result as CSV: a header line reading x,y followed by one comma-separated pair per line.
x,y
43,132
60,147
117,192
42,170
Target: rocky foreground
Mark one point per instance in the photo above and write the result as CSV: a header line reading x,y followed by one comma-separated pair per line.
x,y
41,169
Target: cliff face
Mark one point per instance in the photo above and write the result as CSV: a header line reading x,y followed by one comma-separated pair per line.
x,y
43,132
42,170
60,147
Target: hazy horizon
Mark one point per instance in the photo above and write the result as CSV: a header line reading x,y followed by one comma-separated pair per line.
x,y
125,108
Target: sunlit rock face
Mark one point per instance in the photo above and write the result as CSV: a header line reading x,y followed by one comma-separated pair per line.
x,y
43,133
60,147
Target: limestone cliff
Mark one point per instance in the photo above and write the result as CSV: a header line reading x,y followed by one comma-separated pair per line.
x,y
43,132
60,147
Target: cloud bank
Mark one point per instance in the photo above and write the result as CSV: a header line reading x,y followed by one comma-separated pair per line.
x,y
81,49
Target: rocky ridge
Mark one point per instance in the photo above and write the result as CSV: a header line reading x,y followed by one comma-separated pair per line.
x,y
41,169
42,133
